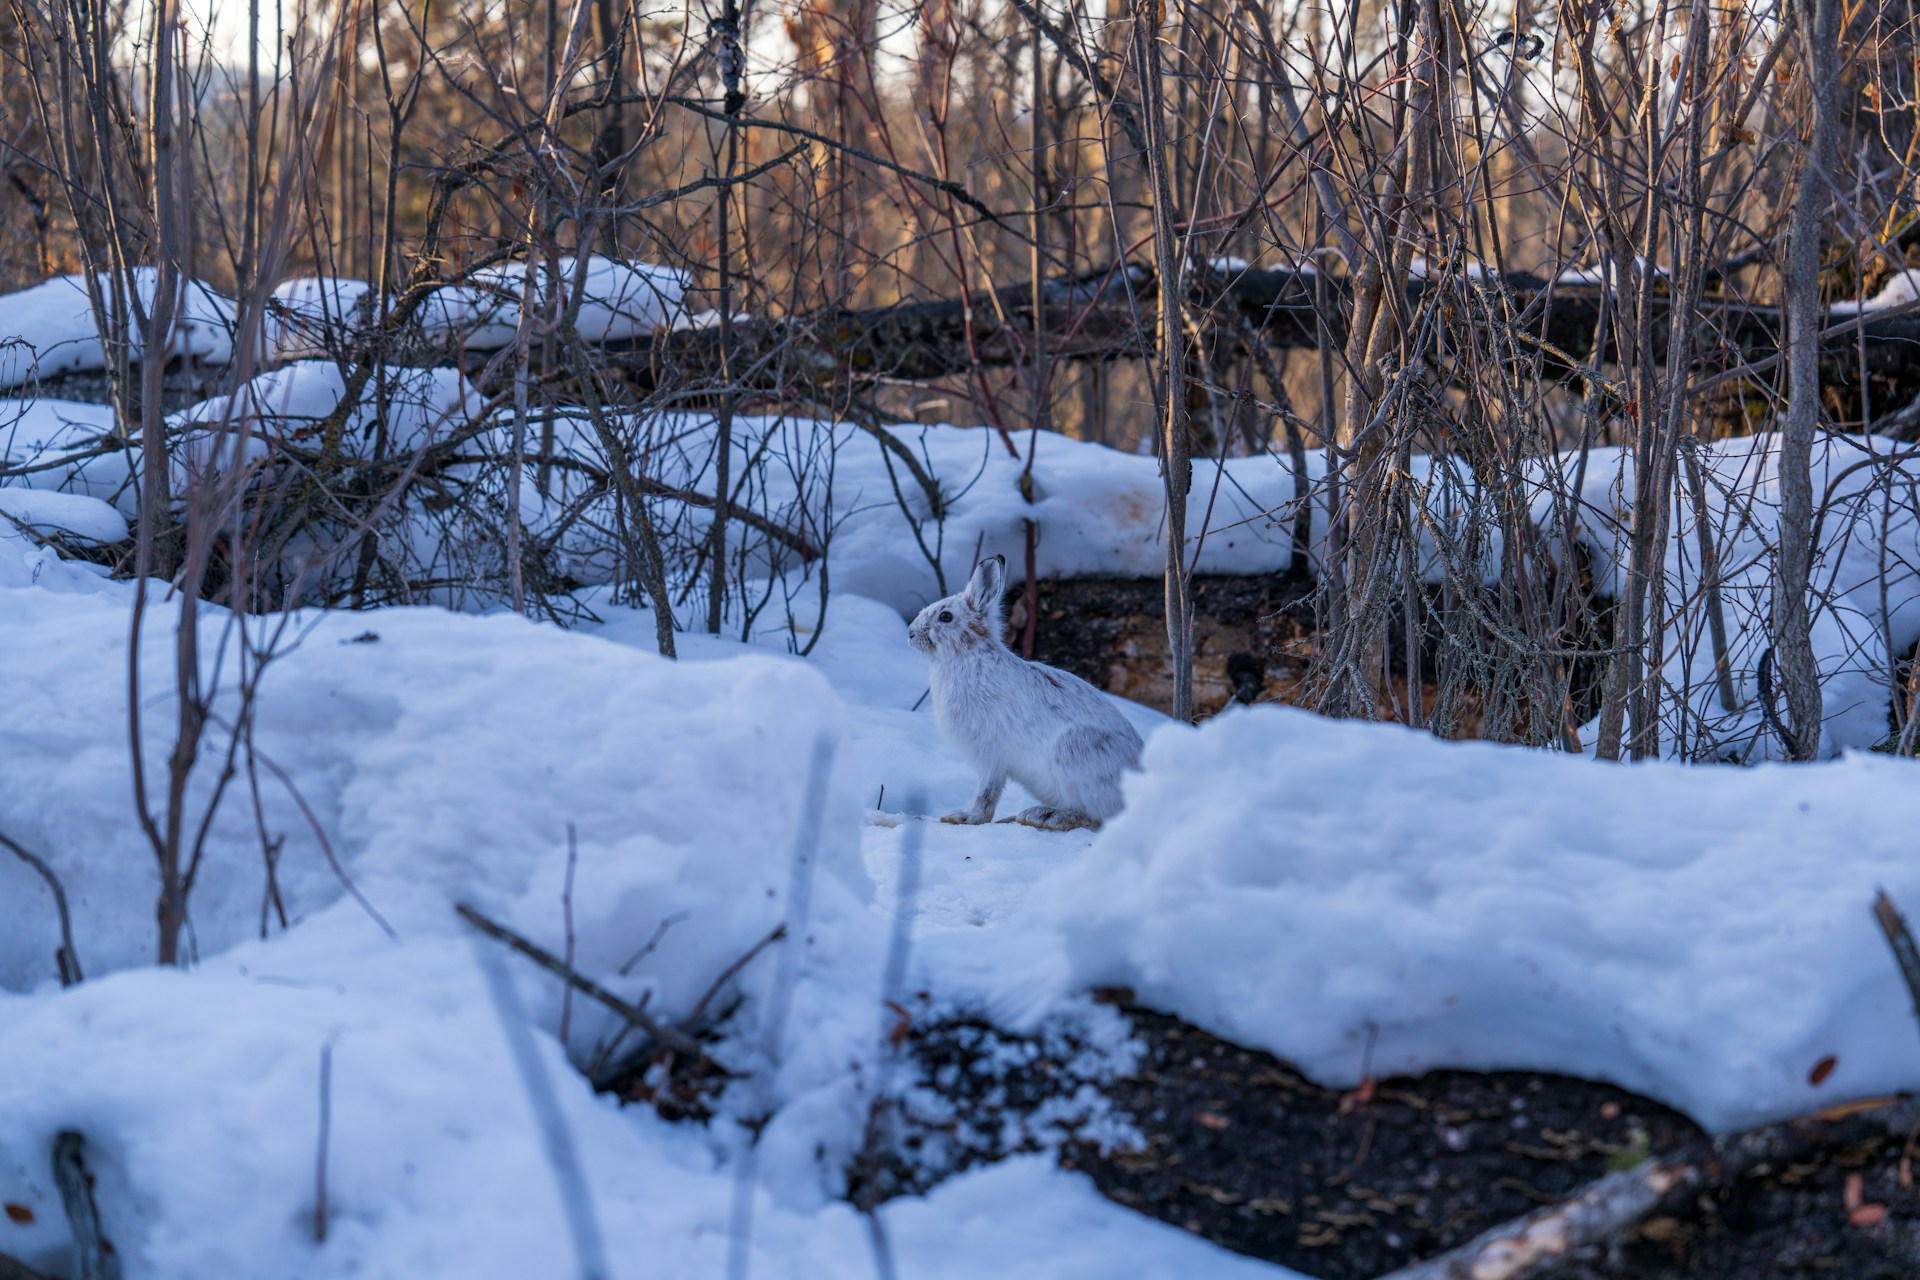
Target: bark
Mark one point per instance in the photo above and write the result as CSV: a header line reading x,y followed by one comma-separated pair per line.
x,y
1551,1240
1793,565
1176,445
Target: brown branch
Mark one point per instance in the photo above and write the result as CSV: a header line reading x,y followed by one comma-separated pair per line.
x,y
942,185
635,1016
66,959
1900,939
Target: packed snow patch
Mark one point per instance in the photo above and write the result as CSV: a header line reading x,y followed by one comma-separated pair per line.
x,y
69,447
1699,935
72,517
1899,291
50,328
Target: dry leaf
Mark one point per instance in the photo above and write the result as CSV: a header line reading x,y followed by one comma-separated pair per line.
x,y
1211,1120
19,1213
1859,1212
902,1024
1822,1069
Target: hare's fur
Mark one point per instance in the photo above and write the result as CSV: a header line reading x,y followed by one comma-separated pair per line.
x,y
1052,732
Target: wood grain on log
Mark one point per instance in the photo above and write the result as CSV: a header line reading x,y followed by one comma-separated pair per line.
x,y
1541,1244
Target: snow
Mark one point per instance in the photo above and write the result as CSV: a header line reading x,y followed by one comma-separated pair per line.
x,y
1324,890
619,299
1594,276
315,317
1866,574
1095,511
1301,885
49,329
1598,275
445,756
1699,935
73,517
294,403
1901,290
67,446
308,317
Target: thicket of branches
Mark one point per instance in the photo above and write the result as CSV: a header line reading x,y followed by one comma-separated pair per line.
x,y
1436,175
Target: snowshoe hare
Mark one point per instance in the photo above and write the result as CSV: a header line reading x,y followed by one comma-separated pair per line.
x,y
1053,733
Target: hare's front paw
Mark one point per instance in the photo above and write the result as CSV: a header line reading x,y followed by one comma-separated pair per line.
x,y
965,817
1047,818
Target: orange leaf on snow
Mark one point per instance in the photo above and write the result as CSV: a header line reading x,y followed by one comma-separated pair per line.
x,y
1822,1069
19,1213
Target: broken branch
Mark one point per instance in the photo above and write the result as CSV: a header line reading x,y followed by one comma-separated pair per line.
x,y
672,1037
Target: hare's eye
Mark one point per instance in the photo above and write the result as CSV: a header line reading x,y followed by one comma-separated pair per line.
x,y
946,615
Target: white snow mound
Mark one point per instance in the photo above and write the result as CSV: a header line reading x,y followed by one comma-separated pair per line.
x,y
49,329
1699,935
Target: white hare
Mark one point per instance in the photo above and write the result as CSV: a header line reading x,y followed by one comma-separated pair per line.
x,y
1053,733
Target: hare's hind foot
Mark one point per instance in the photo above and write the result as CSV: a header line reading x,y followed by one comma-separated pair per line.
x,y
1048,818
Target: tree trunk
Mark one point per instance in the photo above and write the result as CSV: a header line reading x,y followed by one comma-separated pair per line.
x,y
1793,564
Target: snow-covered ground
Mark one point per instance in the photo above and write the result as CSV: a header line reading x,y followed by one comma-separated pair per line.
x,y
1092,511
1302,885
443,757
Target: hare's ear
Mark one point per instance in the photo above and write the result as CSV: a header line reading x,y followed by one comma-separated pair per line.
x,y
988,586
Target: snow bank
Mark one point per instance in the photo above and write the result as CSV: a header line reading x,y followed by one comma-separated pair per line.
x,y
440,756
72,517
315,317
405,410
67,446
618,299
49,329
1095,511
1899,291
1866,578
1702,936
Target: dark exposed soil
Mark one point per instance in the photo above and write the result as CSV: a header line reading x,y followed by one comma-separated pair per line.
x,y
1242,1149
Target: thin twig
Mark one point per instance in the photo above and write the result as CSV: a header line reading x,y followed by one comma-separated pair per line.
x,y
569,1175
1900,939
320,1148
66,959
566,912
670,1036
733,970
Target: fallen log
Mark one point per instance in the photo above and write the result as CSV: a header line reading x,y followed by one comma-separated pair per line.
x,y
1108,315
1543,1243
